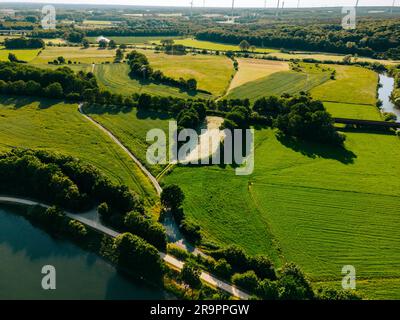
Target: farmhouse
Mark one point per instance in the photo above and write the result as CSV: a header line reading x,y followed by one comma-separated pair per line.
x,y
101,38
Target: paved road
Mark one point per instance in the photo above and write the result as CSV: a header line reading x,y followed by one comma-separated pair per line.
x,y
130,154
170,260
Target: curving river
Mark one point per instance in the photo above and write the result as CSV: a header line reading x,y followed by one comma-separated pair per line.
x,y
25,249
384,92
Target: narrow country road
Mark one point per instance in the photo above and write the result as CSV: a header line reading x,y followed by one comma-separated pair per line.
x,y
130,154
170,260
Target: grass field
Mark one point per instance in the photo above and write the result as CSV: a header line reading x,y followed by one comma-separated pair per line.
x,y
132,40
353,111
278,83
23,54
352,85
97,22
319,207
131,128
254,69
213,73
115,77
198,44
75,54
326,56
60,127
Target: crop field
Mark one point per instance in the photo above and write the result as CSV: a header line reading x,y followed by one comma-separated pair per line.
x,y
97,22
132,40
22,54
254,69
75,54
279,83
320,207
61,128
352,85
115,77
213,73
131,129
353,111
208,45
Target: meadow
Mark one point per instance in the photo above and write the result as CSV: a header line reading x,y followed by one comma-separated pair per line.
x,y
75,54
320,207
22,54
115,77
279,83
208,45
353,84
213,73
254,69
59,127
132,40
353,111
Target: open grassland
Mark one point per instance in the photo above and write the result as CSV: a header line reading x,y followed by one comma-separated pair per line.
x,y
208,45
21,54
327,56
353,111
352,85
97,22
75,54
132,40
115,77
318,206
131,128
213,73
60,127
279,83
254,69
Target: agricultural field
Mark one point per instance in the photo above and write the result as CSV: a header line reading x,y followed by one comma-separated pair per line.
x,y
352,85
254,69
132,40
131,128
97,22
317,206
291,82
61,128
353,111
213,73
22,54
208,45
115,77
75,54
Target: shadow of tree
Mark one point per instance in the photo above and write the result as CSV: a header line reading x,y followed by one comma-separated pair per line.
x,y
19,102
317,150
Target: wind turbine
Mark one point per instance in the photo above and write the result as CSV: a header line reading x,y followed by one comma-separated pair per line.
x,y
391,10
357,3
277,8
191,8
233,7
298,4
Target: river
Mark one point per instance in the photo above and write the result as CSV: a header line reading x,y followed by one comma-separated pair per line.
x,y
384,92
25,249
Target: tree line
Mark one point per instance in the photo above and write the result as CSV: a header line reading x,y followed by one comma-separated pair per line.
x,y
23,43
378,39
140,68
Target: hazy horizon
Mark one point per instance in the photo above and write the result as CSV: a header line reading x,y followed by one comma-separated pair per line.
x,y
220,3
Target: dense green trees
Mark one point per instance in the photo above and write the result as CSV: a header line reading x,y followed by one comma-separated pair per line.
x,y
140,258
23,43
172,197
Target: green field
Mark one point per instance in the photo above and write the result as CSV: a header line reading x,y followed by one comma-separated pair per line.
x,y
115,77
132,40
213,73
278,83
198,44
75,54
353,111
131,129
23,54
352,85
320,207
60,127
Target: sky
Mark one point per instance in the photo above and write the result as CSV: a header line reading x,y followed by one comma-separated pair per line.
x,y
225,3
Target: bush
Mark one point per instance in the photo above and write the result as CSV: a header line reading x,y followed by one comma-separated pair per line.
x,y
248,281
76,230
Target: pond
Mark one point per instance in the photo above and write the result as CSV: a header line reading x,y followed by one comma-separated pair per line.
x,y
25,249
